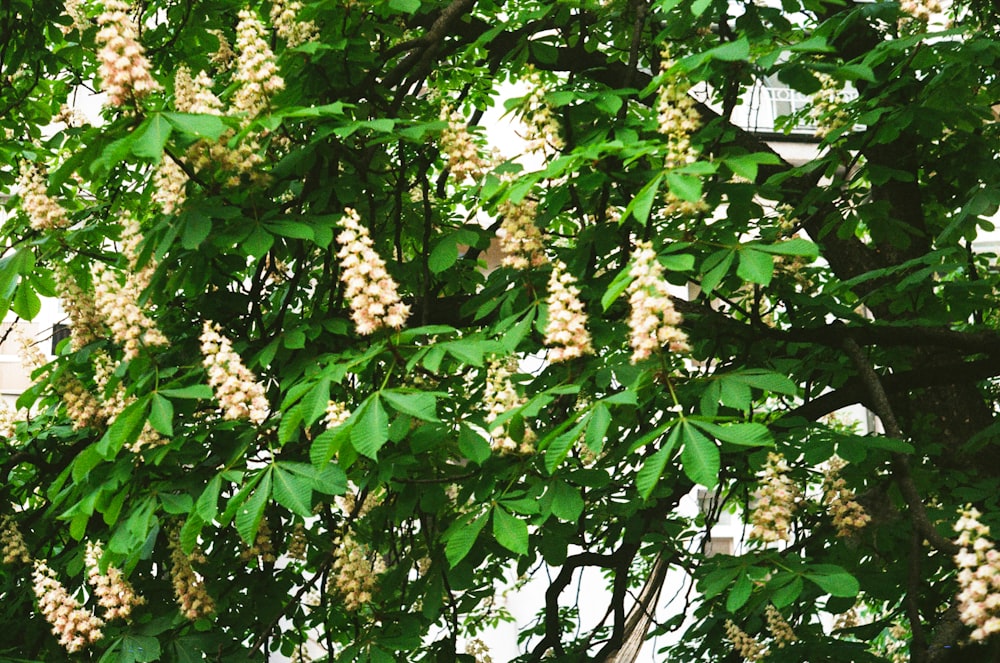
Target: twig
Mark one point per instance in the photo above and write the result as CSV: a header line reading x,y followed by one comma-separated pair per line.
x,y
900,462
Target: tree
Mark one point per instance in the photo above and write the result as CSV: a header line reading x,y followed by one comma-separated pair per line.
x,y
296,406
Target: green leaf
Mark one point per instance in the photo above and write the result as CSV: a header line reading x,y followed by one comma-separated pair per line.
x,y
685,187
197,125
197,227
472,445
292,492
740,593
329,479
293,229
700,457
422,405
161,415
176,504
461,536
746,165
85,461
566,501
765,380
443,255
649,474
258,242
796,246
195,391
735,394
510,531
619,285
642,204
597,427
207,505
137,649
26,302
786,594
743,434
408,6
249,515
558,448
151,141
755,266
712,584
715,269
371,431
729,52
677,262
125,429
315,402
834,580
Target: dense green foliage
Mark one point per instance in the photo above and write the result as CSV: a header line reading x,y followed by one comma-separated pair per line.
x,y
850,278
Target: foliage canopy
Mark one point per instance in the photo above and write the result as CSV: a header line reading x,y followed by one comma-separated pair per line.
x,y
368,491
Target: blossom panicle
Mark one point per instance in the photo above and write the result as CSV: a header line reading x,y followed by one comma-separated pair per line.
x,y
370,291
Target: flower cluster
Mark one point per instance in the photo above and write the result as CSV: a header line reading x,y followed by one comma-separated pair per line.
x,y
224,55
81,406
780,629
848,516
542,126
32,358
71,116
348,502
118,304
460,148
169,182
743,643
921,10
653,322
237,390
479,650
263,547
43,211
370,291
567,324
285,18
775,502
500,397
336,414
355,573
12,544
132,240
125,71
256,67
75,11
298,543
677,118
828,112
189,588
520,239
71,623
114,593
978,576
194,95
9,419
85,323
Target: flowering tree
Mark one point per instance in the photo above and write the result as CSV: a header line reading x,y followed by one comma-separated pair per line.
x,y
336,367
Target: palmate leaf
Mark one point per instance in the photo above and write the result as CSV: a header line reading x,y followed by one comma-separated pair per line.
x,y
650,472
371,430
510,531
461,536
700,456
